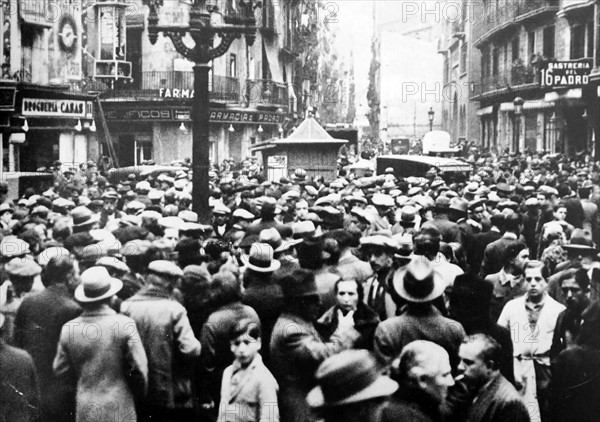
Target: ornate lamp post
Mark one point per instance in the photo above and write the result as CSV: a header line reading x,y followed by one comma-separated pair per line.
x,y
518,103
431,115
203,28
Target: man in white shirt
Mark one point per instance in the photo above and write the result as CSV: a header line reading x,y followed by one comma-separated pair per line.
x,y
532,319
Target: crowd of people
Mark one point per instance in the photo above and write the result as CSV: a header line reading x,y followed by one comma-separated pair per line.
x,y
367,299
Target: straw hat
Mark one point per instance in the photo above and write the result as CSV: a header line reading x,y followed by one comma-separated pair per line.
x,y
97,284
261,259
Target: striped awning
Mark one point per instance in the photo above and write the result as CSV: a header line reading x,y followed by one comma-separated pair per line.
x,y
531,105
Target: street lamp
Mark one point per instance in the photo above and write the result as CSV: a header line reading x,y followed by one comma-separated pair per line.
x,y
202,28
518,103
431,114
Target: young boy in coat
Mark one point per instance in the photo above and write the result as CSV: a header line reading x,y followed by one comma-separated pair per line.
x,y
249,390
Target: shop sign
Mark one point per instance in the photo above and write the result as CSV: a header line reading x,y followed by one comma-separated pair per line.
x,y
39,107
216,116
226,116
566,74
277,161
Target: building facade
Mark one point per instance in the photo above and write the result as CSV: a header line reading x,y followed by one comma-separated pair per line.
x,y
406,72
44,115
516,42
461,72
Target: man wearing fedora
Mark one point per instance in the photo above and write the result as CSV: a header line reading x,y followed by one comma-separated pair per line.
x,y
350,387
103,352
261,292
19,394
296,346
419,284
166,332
581,253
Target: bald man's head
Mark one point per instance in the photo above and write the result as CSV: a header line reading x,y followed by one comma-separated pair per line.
x,y
425,366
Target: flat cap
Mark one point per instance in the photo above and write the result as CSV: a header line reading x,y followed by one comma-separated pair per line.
x,y
166,268
243,214
382,200
379,240
23,267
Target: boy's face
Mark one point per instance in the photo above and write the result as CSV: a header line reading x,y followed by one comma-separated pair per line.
x,y
245,348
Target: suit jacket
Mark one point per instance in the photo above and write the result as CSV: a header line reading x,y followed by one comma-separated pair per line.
x,y
168,339
591,219
449,229
105,353
499,401
19,394
253,397
415,324
502,294
493,256
38,324
476,248
216,352
297,350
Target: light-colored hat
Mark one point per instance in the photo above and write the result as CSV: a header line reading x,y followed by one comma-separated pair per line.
x,y
165,268
261,259
143,186
23,267
6,207
155,195
97,284
52,252
418,281
12,246
83,216
311,190
220,208
112,262
351,376
380,241
243,214
188,216
380,199
303,229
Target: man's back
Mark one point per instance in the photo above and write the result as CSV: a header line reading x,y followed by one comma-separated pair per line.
x,y
167,335
425,323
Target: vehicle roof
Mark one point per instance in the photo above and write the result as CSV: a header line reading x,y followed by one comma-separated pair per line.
x,y
445,164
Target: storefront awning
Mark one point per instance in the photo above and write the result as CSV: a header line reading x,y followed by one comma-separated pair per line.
x,y
570,94
485,111
530,105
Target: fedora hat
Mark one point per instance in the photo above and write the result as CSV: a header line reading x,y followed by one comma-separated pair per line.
x,y
83,216
418,281
460,205
97,284
351,376
581,240
261,258
299,283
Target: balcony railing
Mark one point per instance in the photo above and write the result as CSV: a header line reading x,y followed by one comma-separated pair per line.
x,y
517,75
176,85
265,91
496,19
